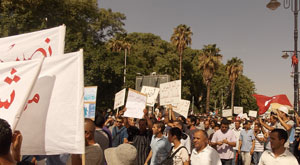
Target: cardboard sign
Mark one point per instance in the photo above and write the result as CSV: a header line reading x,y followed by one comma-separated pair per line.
x,y
151,93
182,108
226,112
136,103
119,98
252,113
170,93
237,110
90,94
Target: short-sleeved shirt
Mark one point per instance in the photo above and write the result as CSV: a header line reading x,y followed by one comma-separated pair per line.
x,y
208,156
247,138
160,149
181,156
237,133
259,146
118,135
225,151
268,158
93,154
291,123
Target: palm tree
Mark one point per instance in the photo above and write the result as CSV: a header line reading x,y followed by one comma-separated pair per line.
x,y
234,68
209,61
116,45
181,38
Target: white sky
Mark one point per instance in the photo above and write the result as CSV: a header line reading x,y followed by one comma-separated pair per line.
x,y
240,28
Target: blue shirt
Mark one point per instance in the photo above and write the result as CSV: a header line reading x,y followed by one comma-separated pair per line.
x,y
247,138
160,149
118,135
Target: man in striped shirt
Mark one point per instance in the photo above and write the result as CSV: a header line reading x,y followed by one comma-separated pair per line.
x,y
259,143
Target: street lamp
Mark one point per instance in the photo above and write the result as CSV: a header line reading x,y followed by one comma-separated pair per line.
x,y
293,4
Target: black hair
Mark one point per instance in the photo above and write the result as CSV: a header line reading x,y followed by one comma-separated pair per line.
x,y
193,119
175,132
183,119
132,131
99,121
282,134
247,122
5,137
161,125
225,122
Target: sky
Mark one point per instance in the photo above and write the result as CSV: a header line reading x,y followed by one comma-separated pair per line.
x,y
241,28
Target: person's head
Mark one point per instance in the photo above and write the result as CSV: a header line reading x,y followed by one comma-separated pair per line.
x,y
225,125
89,129
158,127
247,125
197,120
191,120
217,127
132,131
174,134
200,140
5,137
131,121
273,119
99,121
277,138
178,124
142,125
206,124
237,124
119,121
212,123
283,112
182,119
257,127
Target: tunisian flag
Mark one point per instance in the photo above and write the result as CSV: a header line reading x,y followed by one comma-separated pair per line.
x,y
264,102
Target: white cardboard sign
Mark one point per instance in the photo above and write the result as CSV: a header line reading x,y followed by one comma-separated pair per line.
x,y
151,93
120,98
252,113
136,103
226,112
170,92
182,107
237,110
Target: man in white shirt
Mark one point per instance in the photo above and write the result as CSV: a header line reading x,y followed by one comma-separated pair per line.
x,y
279,154
202,153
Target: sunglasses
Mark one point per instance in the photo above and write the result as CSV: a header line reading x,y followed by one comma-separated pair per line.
x,y
119,121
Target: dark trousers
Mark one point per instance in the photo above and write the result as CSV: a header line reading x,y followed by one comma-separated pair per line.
x,y
226,161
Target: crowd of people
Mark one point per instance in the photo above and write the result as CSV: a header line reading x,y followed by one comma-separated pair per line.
x,y
163,138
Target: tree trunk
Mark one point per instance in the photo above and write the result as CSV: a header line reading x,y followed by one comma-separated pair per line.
x,y
180,64
232,95
207,97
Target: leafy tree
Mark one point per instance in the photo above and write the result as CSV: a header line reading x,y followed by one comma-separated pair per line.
x,y
181,38
209,61
234,68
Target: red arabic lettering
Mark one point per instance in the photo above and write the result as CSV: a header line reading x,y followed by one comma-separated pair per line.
x,y
16,78
6,104
42,50
11,46
36,99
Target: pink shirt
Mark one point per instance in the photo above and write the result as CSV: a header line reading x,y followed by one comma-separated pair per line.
x,y
225,151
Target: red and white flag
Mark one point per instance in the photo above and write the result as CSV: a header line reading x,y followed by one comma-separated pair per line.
x,y
43,43
16,83
264,102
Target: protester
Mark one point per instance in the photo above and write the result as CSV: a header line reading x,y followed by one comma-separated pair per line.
x,y
297,138
237,130
93,152
224,140
119,132
259,143
185,140
207,128
10,144
279,154
246,143
181,156
160,146
202,153
124,154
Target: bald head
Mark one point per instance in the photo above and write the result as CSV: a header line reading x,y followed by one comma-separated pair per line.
x,y
200,140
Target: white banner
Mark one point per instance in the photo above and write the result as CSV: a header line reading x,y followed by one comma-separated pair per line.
x,y
16,82
136,103
252,113
54,123
120,98
226,112
237,110
44,43
151,93
182,108
170,92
